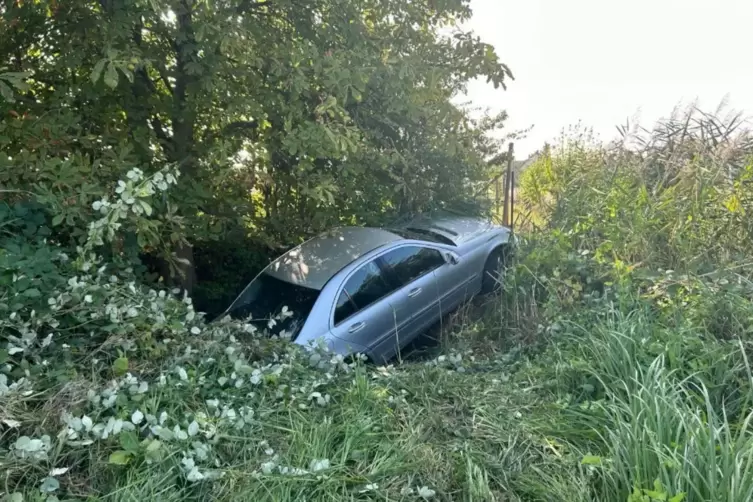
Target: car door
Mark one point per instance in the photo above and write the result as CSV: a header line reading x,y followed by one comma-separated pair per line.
x,y
416,302
457,280
363,316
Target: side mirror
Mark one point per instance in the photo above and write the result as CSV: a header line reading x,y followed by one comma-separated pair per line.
x,y
452,258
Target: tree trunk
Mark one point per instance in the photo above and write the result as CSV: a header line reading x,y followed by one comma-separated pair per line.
x,y
186,277
183,124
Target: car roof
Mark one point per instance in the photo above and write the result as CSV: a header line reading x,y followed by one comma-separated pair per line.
x,y
317,260
457,229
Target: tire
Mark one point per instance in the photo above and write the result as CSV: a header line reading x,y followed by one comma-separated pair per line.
x,y
492,280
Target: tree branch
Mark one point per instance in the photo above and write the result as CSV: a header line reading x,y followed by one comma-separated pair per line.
x,y
159,131
144,76
237,128
163,76
248,5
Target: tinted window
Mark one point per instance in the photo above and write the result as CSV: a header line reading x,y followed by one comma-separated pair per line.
x,y
411,262
362,289
265,297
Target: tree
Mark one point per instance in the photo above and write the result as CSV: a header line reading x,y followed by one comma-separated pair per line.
x,y
283,116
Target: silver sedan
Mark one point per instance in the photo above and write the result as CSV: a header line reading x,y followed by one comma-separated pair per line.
x,y
373,291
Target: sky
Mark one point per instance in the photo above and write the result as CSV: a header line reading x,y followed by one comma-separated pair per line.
x,y
602,62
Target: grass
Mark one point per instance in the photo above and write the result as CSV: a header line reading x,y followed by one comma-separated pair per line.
x,y
613,401
657,424
386,433
618,401
597,416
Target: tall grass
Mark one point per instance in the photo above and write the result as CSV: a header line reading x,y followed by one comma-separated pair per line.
x,y
638,285
657,424
675,195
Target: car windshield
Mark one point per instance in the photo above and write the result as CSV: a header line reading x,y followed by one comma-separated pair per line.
x,y
266,296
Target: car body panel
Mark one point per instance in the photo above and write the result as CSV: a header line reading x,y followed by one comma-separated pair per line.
x,y
457,284
368,327
458,229
394,320
415,308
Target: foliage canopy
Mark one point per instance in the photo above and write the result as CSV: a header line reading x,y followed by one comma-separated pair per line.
x,y
283,116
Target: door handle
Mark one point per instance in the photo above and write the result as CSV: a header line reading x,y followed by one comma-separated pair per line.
x,y
357,327
415,292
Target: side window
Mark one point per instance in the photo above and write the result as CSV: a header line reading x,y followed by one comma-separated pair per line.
x,y
411,262
365,287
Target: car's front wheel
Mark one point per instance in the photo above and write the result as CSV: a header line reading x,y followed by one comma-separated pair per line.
x,y
493,267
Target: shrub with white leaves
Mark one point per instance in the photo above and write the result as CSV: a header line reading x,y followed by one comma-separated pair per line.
x,y
32,449
147,381
133,195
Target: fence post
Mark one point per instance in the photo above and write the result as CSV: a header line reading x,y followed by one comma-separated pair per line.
x,y
496,197
508,185
512,201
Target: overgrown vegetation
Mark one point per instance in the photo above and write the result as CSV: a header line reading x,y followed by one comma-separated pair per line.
x,y
640,289
613,366
284,117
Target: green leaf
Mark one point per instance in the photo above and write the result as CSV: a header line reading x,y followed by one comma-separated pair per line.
x,y
591,460
126,72
32,293
58,219
660,496
129,440
49,484
6,92
111,76
331,136
16,76
153,450
658,493
679,497
146,206
120,366
119,457
97,70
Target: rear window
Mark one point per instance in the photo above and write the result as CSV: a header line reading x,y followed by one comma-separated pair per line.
x,y
422,234
265,297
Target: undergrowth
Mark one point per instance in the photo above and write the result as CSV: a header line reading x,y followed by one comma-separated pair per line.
x,y
615,365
